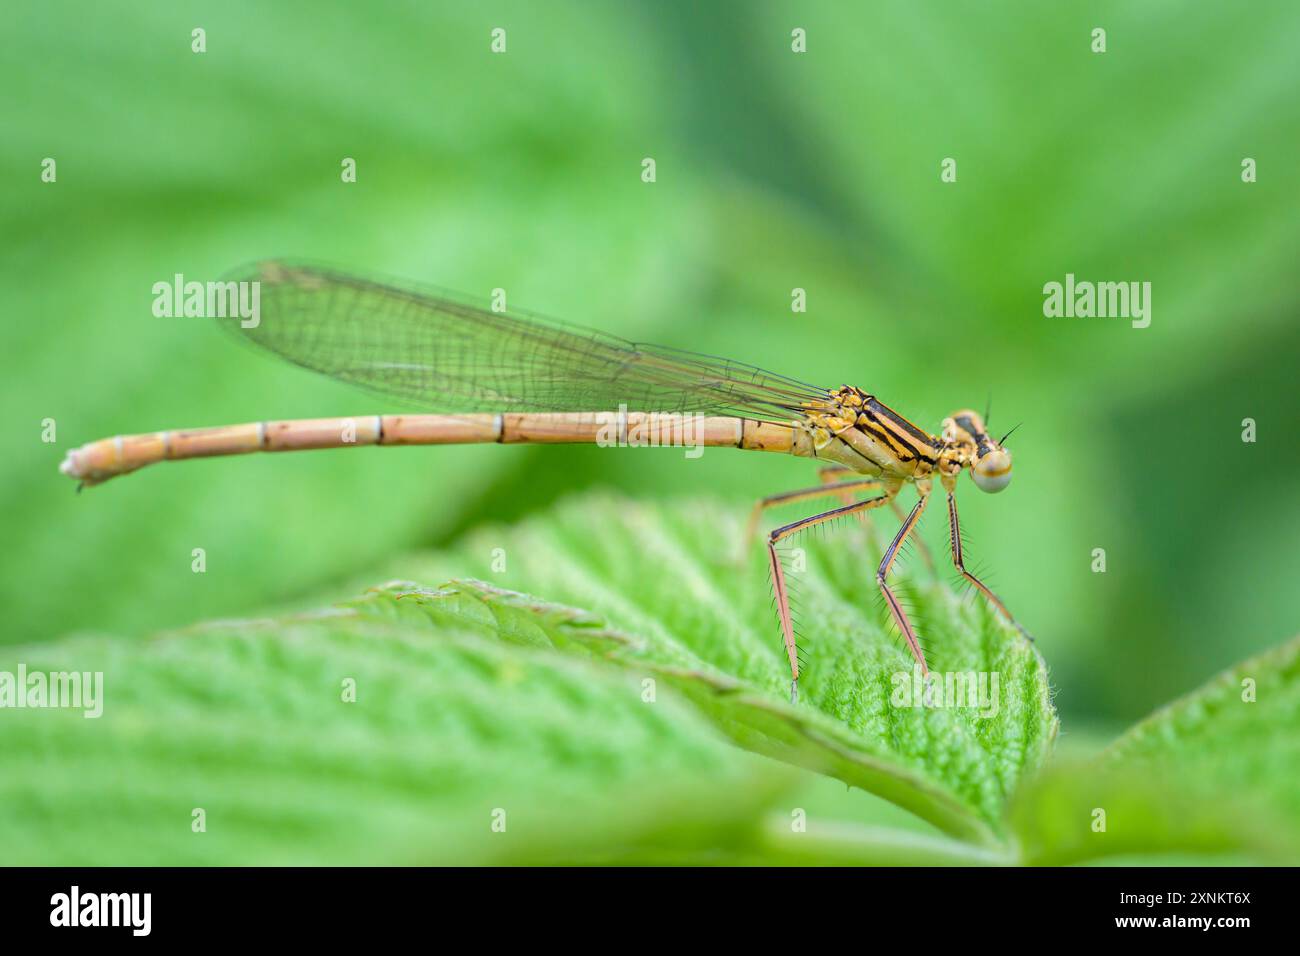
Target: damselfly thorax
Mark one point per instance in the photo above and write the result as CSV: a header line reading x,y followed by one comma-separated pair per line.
x,y
867,436
488,376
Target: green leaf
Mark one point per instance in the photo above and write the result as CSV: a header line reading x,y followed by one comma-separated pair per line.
x,y
1211,773
246,721
682,610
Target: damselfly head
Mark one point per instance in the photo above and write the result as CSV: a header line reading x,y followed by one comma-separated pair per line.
x,y
989,462
992,472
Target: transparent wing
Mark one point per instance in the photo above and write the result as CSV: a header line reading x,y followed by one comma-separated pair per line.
x,y
446,355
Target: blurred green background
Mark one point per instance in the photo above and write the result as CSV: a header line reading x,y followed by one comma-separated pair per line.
x,y
775,170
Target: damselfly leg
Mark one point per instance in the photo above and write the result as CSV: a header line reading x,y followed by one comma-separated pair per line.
x,y
844,489
958,560
778,573
836,472
896,608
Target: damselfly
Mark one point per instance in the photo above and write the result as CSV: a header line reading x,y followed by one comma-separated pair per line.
x,y
499,377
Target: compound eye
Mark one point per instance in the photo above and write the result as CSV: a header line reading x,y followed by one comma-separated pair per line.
x,y
992,473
